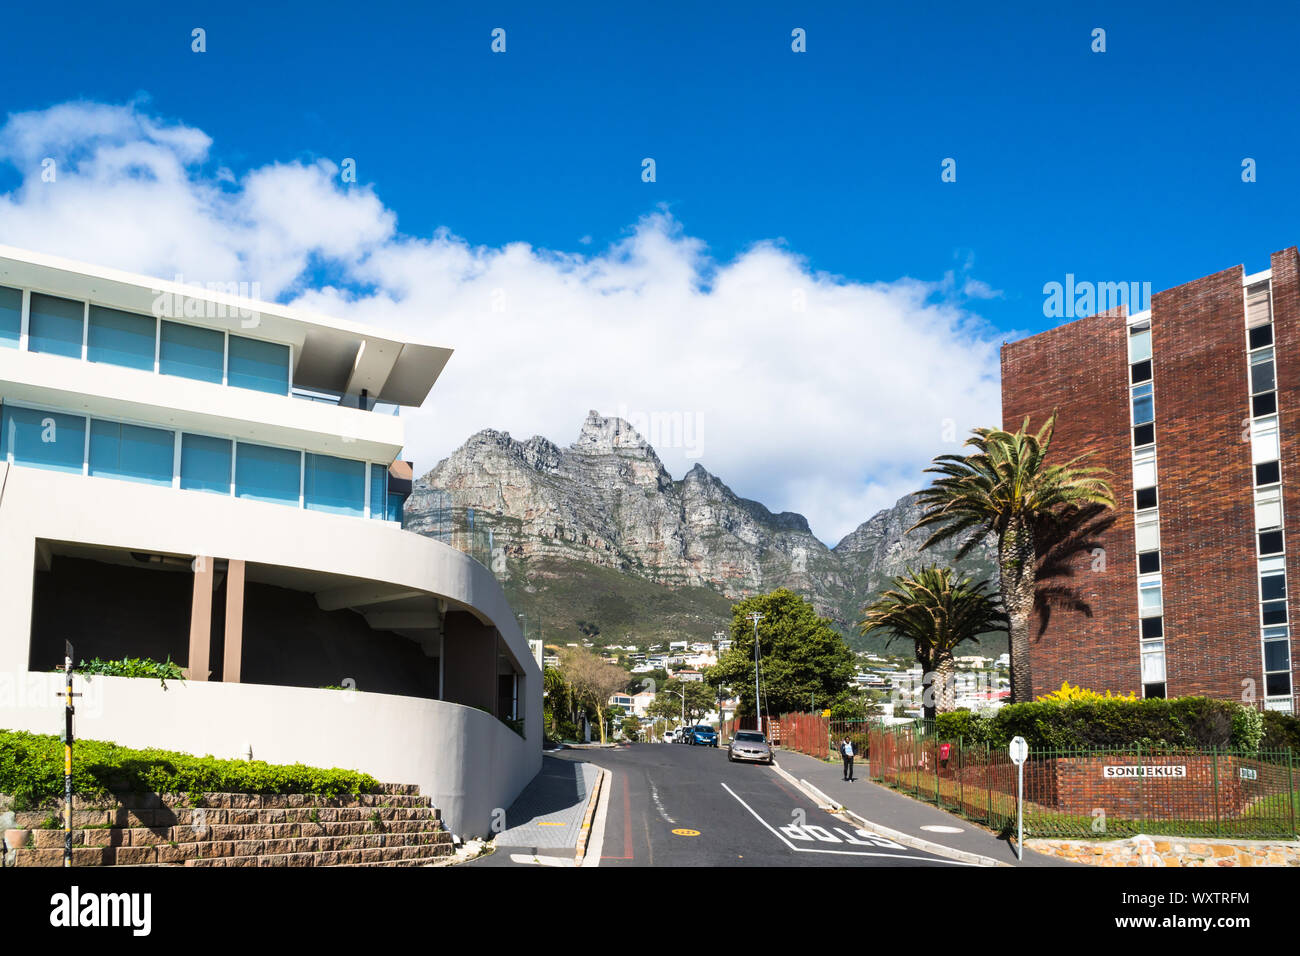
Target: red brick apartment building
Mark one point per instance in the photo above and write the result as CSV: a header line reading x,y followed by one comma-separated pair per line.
x,y
1194,406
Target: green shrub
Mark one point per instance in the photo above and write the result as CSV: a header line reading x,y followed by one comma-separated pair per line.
x,y
1280,731
1183,722
31,770
134,667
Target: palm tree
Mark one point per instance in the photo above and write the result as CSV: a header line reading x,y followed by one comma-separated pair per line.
x,y
1006,489
936,611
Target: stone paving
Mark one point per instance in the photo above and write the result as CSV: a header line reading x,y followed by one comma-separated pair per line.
x,y
549,813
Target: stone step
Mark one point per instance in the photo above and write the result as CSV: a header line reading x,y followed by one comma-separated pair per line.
x,y
196,853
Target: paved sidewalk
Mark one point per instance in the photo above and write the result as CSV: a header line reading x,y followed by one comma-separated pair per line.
x,y
888,808
546,819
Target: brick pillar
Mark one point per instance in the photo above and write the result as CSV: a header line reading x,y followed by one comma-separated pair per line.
x,y
201,619
234,643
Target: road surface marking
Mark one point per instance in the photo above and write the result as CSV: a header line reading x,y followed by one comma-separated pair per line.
x,y
810,849
654,793
683,831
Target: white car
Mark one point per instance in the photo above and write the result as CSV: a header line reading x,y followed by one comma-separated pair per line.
x,y
670,737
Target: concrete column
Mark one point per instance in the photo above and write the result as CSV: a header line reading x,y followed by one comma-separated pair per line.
x,y
234,643
201,619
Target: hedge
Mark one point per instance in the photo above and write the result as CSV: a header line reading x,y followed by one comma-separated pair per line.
x,y
31,770
1190,722
1281,731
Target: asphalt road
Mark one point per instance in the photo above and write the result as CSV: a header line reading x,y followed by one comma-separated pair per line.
x,y
676,805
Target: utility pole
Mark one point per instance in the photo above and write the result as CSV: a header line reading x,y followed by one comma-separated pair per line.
x,y
68,711
758,710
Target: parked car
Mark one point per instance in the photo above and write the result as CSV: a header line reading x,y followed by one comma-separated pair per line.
x,y
670,737
749,745
702,735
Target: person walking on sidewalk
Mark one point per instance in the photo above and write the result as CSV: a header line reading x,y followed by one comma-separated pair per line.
x,y
846,751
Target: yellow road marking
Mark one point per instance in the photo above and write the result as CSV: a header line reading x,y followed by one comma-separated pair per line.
x,y
682,831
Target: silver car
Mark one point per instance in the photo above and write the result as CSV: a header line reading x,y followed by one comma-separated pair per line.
x,y
749,745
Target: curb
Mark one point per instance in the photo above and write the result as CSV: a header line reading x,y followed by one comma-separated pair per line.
x,y
585,837
907,839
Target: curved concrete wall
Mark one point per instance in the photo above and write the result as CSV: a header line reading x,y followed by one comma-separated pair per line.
x,y
467,761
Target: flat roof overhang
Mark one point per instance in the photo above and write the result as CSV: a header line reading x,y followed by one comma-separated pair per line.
x,y
329,354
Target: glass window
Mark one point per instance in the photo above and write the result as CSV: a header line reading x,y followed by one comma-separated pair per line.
x,y
132,452
11,317
1272,587
1261,372
1141,372
1276,656
1268,473
1144,435
335,485
1148,562
1144,409
1270,542
1149,598
1268,509
1260,336
1153,691
191,352
1139,342
378,491
1273,612
205,463
1144,468
1147,532
1146,498
55,325
262,366
44,439
1263,440
396,506
263,473
1153,663
1258,311
1153,626
121,338
1263,404
1277,685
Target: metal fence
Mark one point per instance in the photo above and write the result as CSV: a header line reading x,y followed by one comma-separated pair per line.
x,y
1095,793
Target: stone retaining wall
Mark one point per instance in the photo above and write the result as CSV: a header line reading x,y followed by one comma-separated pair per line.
x,y
1143,850
397,827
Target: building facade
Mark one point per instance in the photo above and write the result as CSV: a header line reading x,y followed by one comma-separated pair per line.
x,y
187,474
1192,407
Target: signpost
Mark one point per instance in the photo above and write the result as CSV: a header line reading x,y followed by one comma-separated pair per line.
x,y
1019,753
69,710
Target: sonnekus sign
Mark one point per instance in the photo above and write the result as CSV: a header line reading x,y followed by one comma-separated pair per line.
x,y
1160,770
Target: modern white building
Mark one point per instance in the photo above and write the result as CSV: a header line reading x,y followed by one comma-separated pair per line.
x,y
186,473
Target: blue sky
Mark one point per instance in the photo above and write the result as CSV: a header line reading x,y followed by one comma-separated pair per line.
x,y
1115,166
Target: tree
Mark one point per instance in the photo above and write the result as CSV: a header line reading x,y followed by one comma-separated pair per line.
x,y
801,657
591,681
631,728
699,700
556,694
1007,490
936,611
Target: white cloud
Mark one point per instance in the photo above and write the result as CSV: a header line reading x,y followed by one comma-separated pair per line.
x,y
804,390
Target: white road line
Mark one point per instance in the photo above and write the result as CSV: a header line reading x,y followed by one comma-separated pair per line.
x,y
654,793
809,849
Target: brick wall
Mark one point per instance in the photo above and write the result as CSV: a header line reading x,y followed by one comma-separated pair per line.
x,y
1207,524
1082,368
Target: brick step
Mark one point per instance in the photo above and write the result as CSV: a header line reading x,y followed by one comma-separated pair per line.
x,y
231,801
156,836
123,818
380,847
377,856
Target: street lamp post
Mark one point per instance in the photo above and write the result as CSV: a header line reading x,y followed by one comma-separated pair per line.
x,y
683,697
758,710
